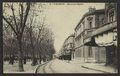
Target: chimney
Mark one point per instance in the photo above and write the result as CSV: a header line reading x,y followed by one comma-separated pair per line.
x,y
92,9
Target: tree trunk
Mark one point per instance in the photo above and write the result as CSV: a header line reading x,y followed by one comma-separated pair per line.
x,y
32,50
34,60
40,59
33,57
20,56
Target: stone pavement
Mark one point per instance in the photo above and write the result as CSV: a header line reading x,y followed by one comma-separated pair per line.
x,y
99,67
93,66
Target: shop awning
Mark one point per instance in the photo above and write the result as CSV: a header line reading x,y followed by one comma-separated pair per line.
x,y
106,39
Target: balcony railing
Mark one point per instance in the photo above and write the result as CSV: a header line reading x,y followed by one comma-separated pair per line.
x,y
104,28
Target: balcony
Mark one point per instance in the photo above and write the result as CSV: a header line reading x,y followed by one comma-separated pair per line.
x,y
106,27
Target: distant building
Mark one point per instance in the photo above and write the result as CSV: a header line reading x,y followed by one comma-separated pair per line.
x,y
89,22
106,35
68,46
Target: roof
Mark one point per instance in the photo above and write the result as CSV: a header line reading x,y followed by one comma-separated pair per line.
x,y
100,11
72,35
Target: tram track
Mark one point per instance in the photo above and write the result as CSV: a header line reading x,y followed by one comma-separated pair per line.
x,y
50,66
45,68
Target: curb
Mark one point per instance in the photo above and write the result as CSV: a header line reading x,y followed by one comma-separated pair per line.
x,y
40,66
95,69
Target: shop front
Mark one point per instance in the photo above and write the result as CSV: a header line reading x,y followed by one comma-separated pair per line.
x,y
108,40
105,36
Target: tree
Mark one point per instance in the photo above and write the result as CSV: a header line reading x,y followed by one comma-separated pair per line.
x,y
17,22
32,35
46,45
9,43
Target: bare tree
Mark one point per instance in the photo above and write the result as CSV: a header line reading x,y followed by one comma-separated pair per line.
x,y
17,22
46,44
34,39
9,43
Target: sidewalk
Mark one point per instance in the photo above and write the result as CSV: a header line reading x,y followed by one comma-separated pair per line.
x,y
99,67
93,66
7,68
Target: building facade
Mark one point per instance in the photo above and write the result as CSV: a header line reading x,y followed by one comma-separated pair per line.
x,y
89,22
106,35
67,49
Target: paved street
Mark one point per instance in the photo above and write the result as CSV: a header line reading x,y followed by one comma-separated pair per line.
x,y
62,66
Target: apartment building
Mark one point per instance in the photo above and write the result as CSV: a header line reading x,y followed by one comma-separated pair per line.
x,y
68,47
106,35
89,22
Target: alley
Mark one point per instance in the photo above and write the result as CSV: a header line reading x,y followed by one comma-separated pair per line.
x,y
61,66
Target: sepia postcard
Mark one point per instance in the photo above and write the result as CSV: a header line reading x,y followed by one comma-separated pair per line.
x,y
60,37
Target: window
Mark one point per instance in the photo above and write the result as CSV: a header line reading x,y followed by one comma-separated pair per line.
x,y
90,20
71,45
102,20
111,16
90,24
83,23
90,52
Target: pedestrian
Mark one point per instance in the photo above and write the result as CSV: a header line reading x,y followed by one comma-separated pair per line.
x,y
24,60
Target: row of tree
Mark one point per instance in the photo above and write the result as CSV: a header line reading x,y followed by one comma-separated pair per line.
x,y
25,34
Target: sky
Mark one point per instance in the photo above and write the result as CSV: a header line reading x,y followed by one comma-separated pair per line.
x,y
64,17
